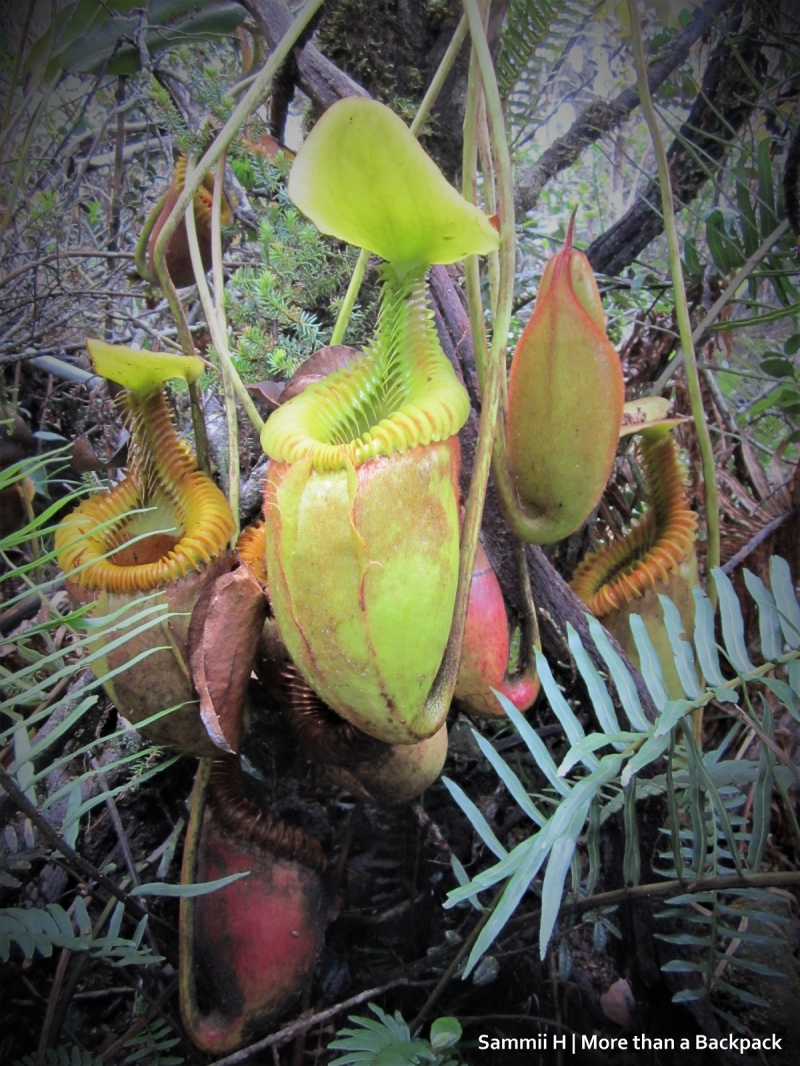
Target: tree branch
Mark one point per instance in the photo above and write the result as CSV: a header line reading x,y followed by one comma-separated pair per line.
x,y
725,102
317,76
598,117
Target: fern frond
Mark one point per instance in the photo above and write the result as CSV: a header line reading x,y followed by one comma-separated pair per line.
x,y
43,929
529,25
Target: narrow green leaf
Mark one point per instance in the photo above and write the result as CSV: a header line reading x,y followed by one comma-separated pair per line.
x,y
704,639
509,901
631,862
762,797
769,623
65,725
555,875
479,823
559,706
681,649
673,712
747,216
785,694
593,846
579,751
595,686
652,749
713,793
509,779
793,671
462,877
534,742
70,834
732,623
161,888
649,663
780,578
620,675
766,190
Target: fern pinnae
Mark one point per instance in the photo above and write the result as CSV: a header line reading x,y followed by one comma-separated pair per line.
x,y
681,649
509,779
598,693
769,623
626,689
785,601
710,789
705,640
732,623
649,662
631,862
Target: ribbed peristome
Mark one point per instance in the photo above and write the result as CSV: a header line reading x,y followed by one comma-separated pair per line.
x,y
251,547
401,394
183,519
655,547
203,197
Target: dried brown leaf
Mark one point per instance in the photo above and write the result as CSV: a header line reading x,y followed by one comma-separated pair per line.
x,y
223,637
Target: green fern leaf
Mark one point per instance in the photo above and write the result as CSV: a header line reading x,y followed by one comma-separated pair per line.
x,y
732,623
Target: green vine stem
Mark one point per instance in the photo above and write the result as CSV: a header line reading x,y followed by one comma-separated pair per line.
x,y
227,381
192,183
216,324
681,304
469,190
350,297
497,176
140,251
429,99
728,293
442,689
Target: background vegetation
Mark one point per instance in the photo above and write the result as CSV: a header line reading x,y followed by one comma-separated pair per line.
x,y
97,103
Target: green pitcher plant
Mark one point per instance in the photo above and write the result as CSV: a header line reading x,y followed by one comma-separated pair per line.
x,y
361,501
161,533
565,399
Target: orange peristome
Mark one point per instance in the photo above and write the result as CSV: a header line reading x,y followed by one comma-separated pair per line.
x,y
485,652
190,524
251,547
565,404
656,546
162,534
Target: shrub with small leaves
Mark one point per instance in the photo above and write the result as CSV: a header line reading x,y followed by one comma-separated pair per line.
x,y
283,311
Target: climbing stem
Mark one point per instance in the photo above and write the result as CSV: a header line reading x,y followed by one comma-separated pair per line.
x,y
343,318
212,154
229,391
442,689
681,304
219,335
523,524
140,251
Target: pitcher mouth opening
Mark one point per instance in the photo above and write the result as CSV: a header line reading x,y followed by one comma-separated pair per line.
x,y
165,521
401,393
656,546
